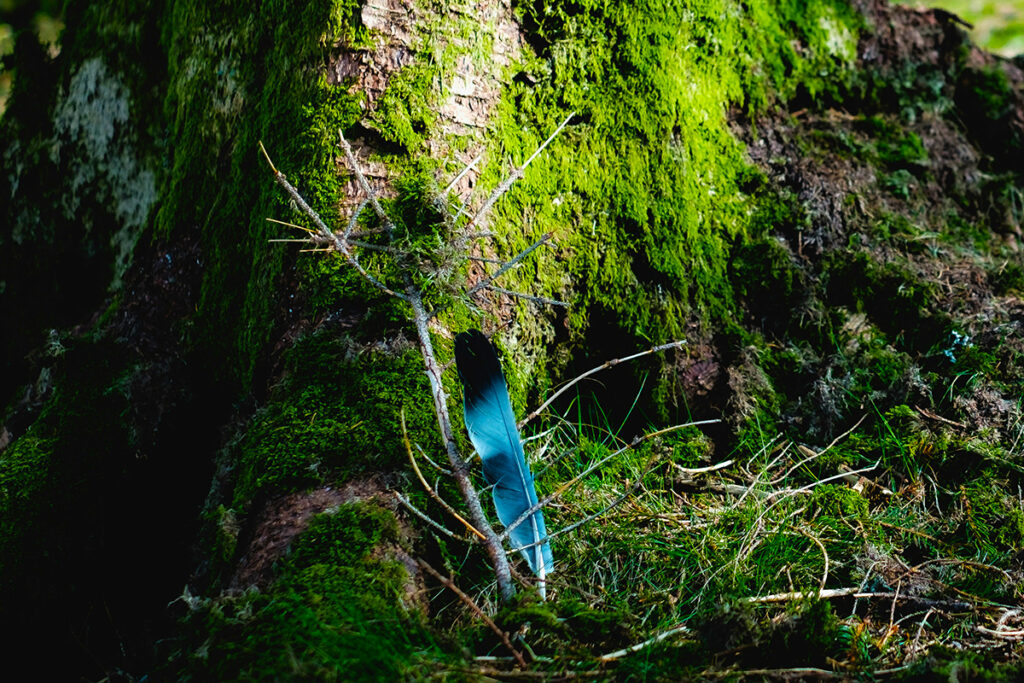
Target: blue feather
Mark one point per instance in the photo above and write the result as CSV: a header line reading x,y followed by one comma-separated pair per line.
x,y
492,429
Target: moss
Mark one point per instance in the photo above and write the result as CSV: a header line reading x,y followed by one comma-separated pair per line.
x,y
897,300
407,110
1007,279
337,414
335,612
238,77
839,501
893,144
644,190
993,520
24,482
986,98
344,537
766,280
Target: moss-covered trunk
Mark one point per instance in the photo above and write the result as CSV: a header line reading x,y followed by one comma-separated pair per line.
x,y
201,429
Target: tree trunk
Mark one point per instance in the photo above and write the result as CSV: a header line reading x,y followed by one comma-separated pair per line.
x,y
203,436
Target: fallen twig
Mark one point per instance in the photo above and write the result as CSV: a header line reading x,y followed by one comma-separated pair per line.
x,y
474,607
618,654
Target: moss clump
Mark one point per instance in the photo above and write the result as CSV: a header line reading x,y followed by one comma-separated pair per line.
x,y
335,612
840,502
773,290
993,520
343,538
896,300
336,413
238,76
894,145
1008,278
24,483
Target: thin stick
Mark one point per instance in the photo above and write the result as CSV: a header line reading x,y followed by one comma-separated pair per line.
x,y
476,609
821,546
363,183
495,551
461,175
618,654
505,268
291,225
426,518
433,494
528,297
920,630
515,175
603,366
430,460
709,468
857,593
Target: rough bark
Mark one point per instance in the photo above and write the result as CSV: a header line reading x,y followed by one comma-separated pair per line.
x,y
824,199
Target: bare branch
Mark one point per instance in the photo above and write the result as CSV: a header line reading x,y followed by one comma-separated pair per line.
x,y
354,218
428,459
337,243
462,174
528,297
495,551
603,366
951,605
353,164
291,225
473,606
426,518
516,175
509,265
618,654
433,494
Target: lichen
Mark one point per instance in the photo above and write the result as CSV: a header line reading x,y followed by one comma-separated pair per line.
x,y
94,129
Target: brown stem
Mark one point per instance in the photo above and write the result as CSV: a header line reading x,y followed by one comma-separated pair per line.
x,y
476,609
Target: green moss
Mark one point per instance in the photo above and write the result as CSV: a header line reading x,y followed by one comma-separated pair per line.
x,y
644,191
895,298
239,76
24,482
993,520
1008,278
335,612
893,144
839,501
990,91
336,414
767,281
408,108
344,537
